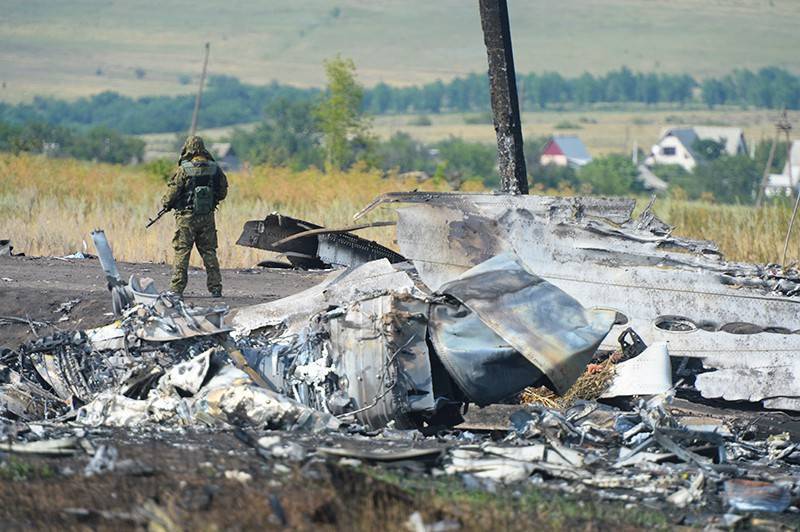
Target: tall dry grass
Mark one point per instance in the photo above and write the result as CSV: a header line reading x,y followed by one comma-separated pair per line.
x,y
744,233
49,207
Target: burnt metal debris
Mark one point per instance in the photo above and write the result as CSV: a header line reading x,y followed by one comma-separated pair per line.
x,y
501,293
6,248
731,328
503,90
310,246
372,343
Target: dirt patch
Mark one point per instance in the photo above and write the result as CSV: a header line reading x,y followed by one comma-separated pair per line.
x,y
35,287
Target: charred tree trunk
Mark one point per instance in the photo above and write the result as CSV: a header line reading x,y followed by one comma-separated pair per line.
x,y
505,103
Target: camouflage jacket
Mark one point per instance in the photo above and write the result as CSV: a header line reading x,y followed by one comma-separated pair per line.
x,y
177,188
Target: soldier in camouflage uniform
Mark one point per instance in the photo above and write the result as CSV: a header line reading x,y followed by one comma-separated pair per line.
x,y
194,191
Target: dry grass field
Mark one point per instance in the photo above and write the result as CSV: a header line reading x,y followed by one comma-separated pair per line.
x,y
49,207
603,132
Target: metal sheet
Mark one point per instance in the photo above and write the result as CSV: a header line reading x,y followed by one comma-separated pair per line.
x,y
486,368
547,326
342,286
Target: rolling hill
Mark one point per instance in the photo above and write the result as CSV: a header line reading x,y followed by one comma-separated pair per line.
x,y
155,47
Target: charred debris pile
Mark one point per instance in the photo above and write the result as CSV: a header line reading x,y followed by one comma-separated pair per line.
x,y
492,294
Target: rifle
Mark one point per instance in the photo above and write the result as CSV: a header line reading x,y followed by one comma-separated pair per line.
x,y
158,215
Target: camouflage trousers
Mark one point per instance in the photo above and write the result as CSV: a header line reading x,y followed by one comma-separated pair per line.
x,y
199,231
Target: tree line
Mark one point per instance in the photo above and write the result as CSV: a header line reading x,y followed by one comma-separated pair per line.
x,y
99,143
228,101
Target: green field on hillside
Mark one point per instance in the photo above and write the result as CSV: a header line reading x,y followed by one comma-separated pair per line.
x,y
86,46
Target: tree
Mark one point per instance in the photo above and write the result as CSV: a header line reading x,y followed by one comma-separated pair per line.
x,y
340,116
729,179
709,149
613,175
288,136
469,160
403,153
713,92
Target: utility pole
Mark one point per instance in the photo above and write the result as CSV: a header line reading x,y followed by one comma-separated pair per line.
x,y
197,100
505,102
781,126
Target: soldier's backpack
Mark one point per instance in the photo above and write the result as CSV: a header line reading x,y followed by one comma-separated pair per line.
x,y
200,195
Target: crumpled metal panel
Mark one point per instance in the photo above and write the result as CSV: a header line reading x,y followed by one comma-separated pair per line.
x,y
357,344
169,319
629,267
547,326
605,259
302,253
615,210
386,366
375,277
483,365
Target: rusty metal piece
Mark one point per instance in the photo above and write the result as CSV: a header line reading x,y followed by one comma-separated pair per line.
x,y
505,103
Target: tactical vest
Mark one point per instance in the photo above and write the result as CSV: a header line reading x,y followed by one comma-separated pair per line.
x,y
199,195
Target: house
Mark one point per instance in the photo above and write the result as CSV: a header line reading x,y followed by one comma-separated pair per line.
x,y
677,144
565,151
784,183
225,155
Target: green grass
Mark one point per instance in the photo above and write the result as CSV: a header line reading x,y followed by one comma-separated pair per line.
x,y
516,507
14,469
47,46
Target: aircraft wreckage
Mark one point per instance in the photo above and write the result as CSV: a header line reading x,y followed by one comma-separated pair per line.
x,y
731,328
498,293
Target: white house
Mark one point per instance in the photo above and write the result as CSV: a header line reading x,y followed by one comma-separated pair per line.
x,y
676,145
785,182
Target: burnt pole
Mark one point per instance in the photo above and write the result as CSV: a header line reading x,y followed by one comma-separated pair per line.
x,y
505,102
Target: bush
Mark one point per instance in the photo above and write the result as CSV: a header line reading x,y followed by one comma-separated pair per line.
x,y
421,120
469,160
480,118
729,179
161,169
614,175
566,124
